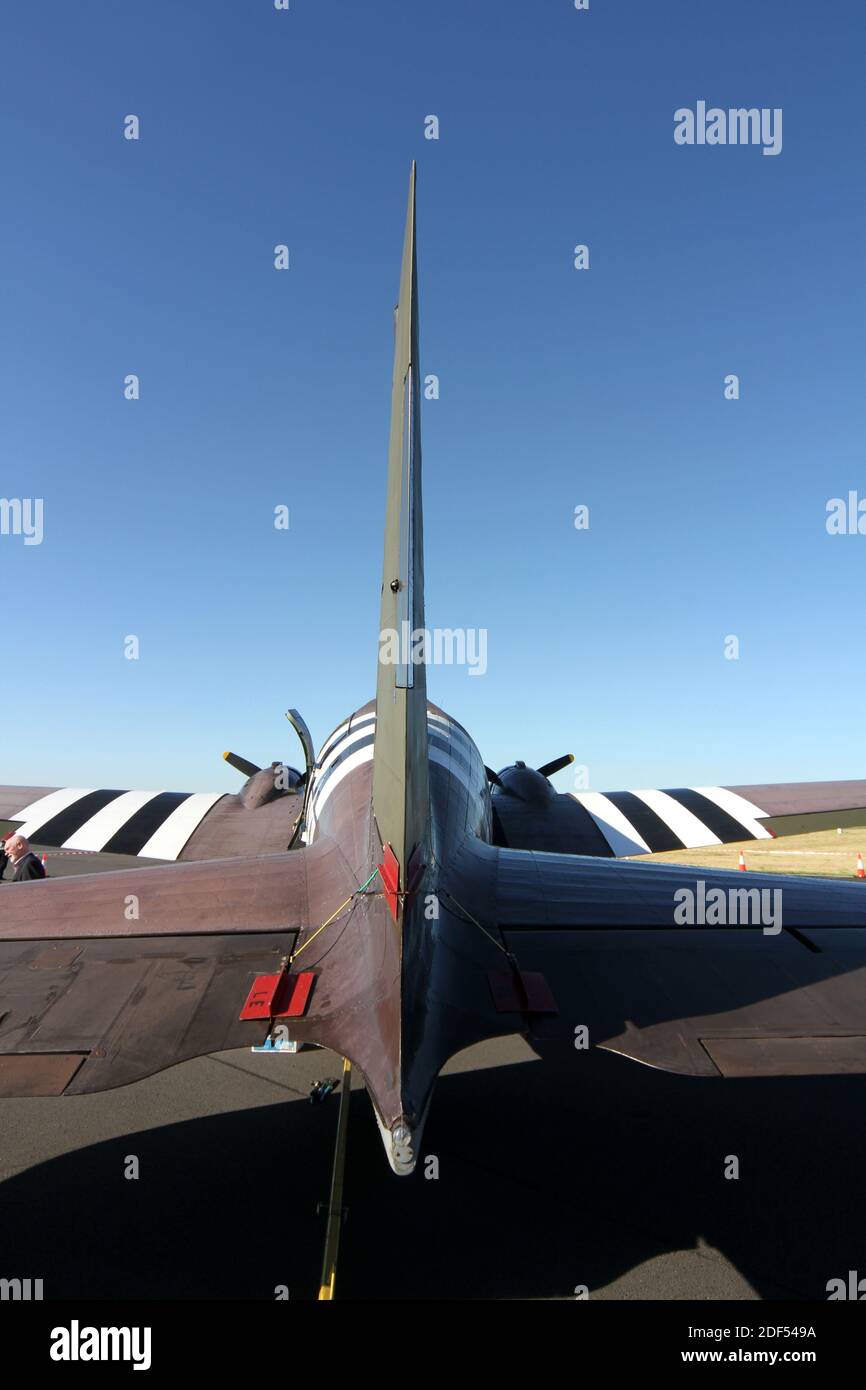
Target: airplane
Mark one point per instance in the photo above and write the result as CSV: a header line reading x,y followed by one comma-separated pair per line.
x,y
398,901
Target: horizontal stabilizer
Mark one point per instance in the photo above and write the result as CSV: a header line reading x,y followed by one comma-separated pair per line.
x,y
91,1015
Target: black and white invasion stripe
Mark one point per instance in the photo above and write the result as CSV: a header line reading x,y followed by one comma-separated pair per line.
x,y
352,744
649,820
152,824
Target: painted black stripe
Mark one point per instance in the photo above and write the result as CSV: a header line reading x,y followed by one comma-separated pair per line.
x,y
459,754
726,826
362,727
65,823
453,767
580,834
437,736
441,740
654,830
453,731
335,739
322,779
132,837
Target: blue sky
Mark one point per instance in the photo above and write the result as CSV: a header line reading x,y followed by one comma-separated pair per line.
x,y
558,387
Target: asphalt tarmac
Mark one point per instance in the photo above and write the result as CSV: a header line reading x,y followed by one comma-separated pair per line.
x,y
552,1175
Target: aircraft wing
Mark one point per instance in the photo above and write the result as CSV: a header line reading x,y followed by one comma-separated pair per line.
x,y
162,825
704,1000
108,978
624,823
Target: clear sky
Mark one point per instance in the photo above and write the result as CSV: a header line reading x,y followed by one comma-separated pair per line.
x,y
558,387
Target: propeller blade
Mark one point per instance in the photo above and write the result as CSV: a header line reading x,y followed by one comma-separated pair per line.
x,y
493,776
557,765
241,765
306,738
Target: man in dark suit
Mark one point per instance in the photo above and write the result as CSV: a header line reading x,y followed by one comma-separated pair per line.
x,y
25,864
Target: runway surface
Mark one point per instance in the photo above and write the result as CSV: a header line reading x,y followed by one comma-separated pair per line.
x,y
586,1169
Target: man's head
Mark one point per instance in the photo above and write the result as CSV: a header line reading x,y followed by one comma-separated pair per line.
x,y
16,846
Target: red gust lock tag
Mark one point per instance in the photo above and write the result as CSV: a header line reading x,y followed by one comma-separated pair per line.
x,y
389,871
521,992
279,996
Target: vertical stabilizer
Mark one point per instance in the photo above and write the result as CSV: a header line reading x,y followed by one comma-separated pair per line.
x,y
400,778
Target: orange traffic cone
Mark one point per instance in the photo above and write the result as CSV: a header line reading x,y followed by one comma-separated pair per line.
x,y
861,872
742,863
43,860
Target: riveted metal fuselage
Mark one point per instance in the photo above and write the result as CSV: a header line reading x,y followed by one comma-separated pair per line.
x,y
381,983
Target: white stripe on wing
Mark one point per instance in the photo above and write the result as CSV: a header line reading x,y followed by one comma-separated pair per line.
x,y
98,830
168,841
737,806
41,811
616,828
678,818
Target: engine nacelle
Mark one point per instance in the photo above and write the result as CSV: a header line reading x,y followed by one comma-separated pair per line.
x,y
270,782
525,783
529,813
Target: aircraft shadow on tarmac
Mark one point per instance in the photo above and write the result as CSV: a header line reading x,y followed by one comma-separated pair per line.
x,y
552,1174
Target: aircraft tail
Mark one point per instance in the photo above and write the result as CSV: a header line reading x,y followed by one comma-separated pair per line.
x,y
401,798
